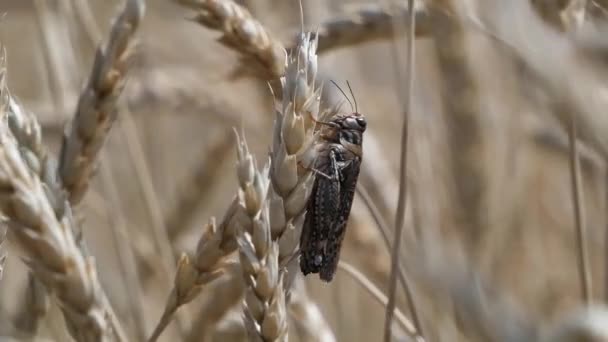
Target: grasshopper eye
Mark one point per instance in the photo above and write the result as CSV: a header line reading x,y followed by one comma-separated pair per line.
x,y
362,122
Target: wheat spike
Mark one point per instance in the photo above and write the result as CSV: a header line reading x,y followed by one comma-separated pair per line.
x,y
264,303
242,33
52,250
96,110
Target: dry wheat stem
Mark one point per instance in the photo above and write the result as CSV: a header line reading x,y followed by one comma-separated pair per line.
x,y
223,296
159,230
36,303
120,235
242,33
401,201
194,189
96,109
606,236
377,294
306,314
580,221
47,238
555,60
2,253
369,23
34,306
56,77
482,310
384,231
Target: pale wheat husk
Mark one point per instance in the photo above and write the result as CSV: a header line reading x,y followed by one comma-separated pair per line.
x,y
96,110
242,33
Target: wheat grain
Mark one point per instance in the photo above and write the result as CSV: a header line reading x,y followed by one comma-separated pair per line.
x,y
242,33
96,109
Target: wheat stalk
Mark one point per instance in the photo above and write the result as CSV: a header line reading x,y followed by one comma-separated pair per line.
x,y
242,33
96,110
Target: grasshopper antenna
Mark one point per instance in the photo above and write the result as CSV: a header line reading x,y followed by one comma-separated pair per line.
x,y
353,96
343,93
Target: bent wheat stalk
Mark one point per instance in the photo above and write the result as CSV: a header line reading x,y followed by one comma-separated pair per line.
x,y
96,110
369,23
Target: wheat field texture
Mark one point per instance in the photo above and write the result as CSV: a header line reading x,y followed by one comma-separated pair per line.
x,y
157,160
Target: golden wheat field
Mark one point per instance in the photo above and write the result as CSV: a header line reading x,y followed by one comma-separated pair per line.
x,y
168,169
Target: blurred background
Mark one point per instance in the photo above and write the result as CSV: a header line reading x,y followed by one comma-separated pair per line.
x,y
488,172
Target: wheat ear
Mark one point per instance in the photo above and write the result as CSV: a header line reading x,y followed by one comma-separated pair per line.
x,y
96,111
293,147
46,236
242,33
26,130
264,304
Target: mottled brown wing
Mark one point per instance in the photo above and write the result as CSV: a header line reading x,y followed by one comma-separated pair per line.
x,y
348,183
322,210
